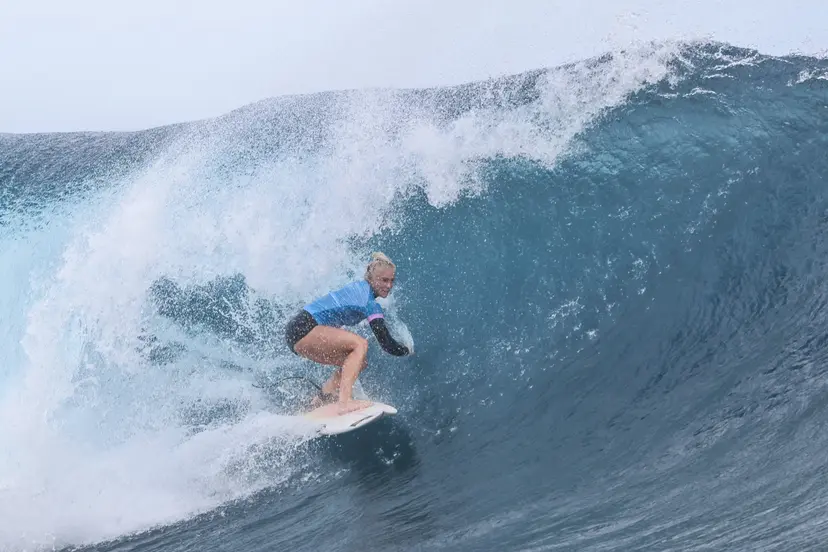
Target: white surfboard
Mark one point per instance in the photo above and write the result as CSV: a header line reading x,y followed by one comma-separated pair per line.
x,y
332,424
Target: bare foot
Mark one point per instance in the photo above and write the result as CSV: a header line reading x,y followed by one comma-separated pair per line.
x,y
350,406
338,409
321,400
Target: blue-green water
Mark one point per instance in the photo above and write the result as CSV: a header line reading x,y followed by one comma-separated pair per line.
x,y
612,272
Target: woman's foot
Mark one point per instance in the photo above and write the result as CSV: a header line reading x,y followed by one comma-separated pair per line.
x,y
350,406
338,409
322,398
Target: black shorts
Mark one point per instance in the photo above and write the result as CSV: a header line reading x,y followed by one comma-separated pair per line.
x,y
298,327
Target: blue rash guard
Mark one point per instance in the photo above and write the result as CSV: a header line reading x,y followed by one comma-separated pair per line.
x,y
346,306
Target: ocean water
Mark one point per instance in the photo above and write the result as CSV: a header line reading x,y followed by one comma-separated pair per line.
x,y
612,273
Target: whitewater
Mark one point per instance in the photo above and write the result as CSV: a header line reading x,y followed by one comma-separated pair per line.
x,y
611,271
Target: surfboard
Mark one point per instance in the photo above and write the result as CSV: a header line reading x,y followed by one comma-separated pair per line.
x,y
332,424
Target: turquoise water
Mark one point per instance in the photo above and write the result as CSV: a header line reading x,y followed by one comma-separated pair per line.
x,y
611,272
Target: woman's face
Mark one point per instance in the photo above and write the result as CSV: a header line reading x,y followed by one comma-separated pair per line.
x,y
382,280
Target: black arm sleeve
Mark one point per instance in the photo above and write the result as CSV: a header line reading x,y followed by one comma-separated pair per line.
x,y
385,340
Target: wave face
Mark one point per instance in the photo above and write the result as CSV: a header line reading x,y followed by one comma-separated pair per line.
x,y
612,272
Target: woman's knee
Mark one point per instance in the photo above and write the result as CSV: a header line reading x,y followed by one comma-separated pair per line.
x,y
360,344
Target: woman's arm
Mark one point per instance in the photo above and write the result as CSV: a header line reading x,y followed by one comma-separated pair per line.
x,y
388,344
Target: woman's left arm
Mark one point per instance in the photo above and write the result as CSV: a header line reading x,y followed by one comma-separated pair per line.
x,y
388,344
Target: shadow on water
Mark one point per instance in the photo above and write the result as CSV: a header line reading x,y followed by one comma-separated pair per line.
x,y
381,486
383,446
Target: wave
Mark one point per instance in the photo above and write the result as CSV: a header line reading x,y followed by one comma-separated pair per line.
x,y
610,269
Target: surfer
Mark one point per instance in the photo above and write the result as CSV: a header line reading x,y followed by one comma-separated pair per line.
x,y
316,331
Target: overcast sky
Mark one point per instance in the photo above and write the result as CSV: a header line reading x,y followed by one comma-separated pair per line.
x,y
108,65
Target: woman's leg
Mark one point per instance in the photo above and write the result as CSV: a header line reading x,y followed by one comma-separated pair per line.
x,y
341,348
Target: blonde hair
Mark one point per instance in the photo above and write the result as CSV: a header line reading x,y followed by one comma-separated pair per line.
x,y
378,259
